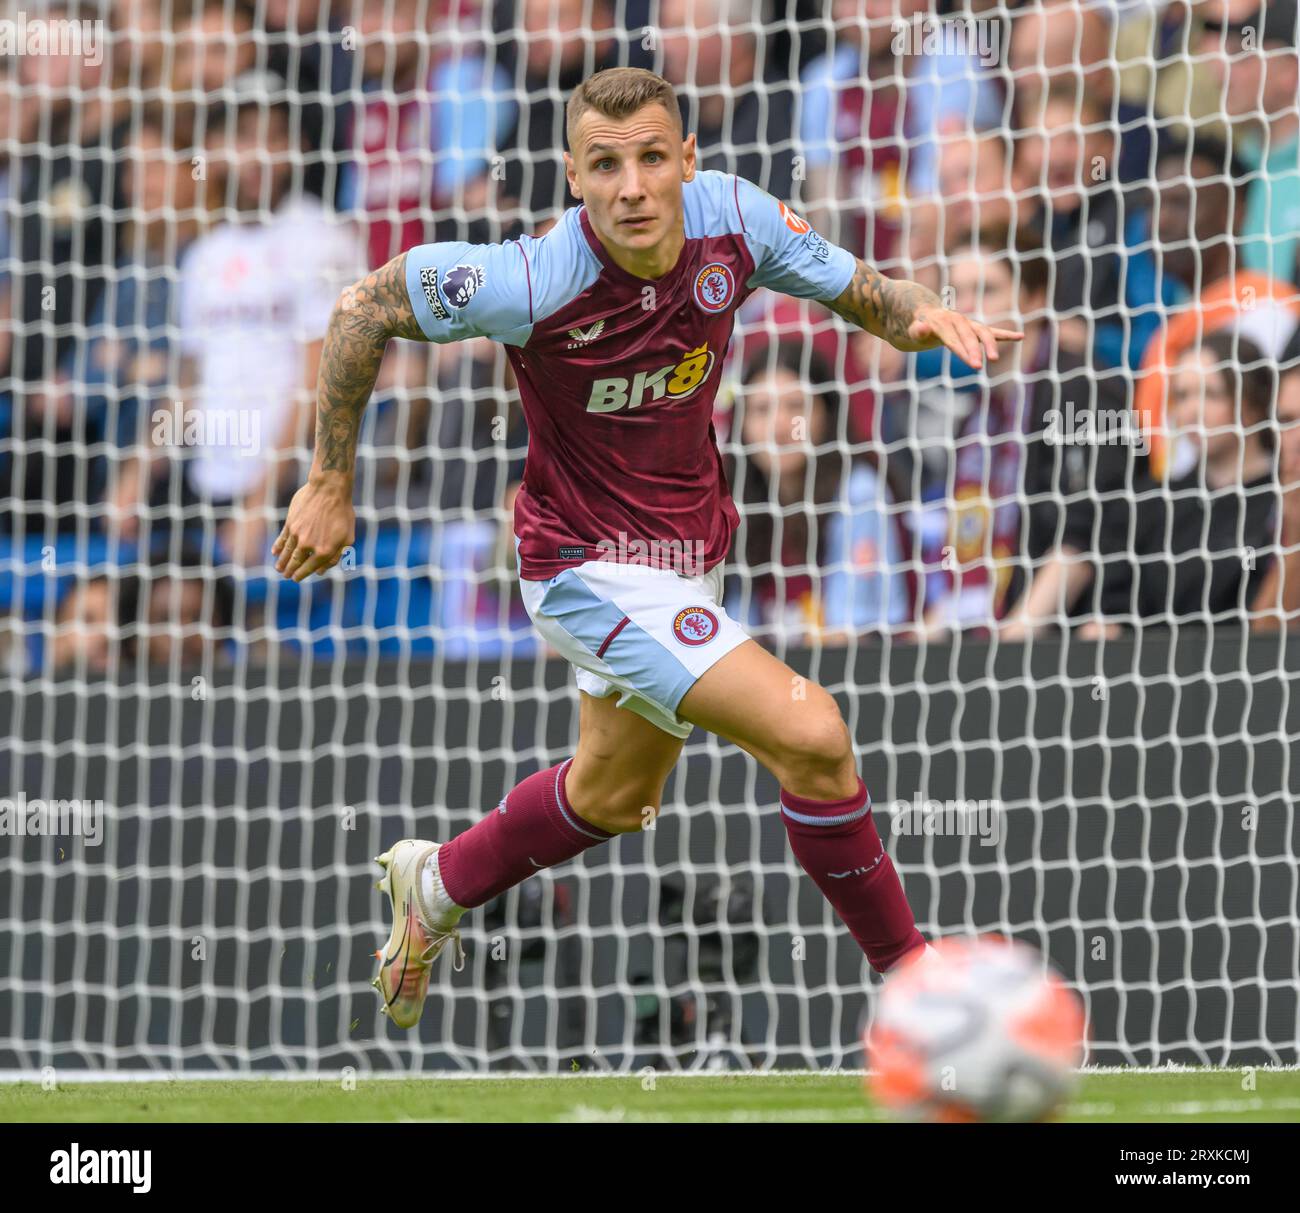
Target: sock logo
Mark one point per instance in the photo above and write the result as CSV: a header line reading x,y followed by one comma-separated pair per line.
x,y
501,806
857,871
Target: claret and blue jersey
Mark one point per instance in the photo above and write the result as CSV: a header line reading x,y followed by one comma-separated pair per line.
x,y
618,374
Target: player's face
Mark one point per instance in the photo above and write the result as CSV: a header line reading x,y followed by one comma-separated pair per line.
x,y
629,172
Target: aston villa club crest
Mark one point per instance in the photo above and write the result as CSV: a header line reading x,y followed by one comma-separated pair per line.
x,y
695,625
714,287
461,283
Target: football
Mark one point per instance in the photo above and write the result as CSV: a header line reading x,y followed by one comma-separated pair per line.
x,y
974,1030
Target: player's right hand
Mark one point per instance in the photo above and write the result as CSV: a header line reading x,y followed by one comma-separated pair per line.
x,y
321,526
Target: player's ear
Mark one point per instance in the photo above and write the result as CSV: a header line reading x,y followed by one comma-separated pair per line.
x,y
688,157
571,172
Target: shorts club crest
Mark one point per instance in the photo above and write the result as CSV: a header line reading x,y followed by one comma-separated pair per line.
x,y
695,625
645,633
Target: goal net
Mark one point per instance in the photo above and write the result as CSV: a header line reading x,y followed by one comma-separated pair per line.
x,y
201,758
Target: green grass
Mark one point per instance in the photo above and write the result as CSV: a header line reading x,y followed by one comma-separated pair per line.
x,y
1180,1096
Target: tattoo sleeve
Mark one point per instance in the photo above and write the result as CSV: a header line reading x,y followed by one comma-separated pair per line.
x,y
884,306
366,316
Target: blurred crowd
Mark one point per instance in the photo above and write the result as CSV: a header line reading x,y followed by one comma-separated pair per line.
x,y
1120,180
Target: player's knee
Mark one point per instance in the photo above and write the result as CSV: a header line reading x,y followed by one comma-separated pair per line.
x,y
816,753
623,812
616,806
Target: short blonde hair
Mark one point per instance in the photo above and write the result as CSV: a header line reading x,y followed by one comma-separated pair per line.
x,y
618,92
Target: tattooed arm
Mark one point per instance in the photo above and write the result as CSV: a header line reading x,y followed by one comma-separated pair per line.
x,y
322,522
912,317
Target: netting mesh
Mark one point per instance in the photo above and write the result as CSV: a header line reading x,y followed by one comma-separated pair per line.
x,y
1051,597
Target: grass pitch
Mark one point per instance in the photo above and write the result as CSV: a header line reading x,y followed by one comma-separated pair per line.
x,y
1137,1096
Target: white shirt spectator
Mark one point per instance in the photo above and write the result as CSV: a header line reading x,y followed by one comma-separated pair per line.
x,y
252,297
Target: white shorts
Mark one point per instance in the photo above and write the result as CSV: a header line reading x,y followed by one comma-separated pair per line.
x,y
649,633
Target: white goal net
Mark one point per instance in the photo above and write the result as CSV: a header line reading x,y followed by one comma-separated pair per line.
x,y
1051,596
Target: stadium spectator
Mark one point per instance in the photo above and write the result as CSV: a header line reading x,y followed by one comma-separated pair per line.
x,y
88,636
1198,219
388,177
1064,44
974,194
481,611
1018,467
821,534
479,435
254,298
739,104
174,613
851,129
1278,600
68,194
141,34
65,191
1252,50
922,394
1157,74
187,612
1105,282
550,46
305,47
214,43
1193,546
17,120
957,82
133,365
767,316
431,111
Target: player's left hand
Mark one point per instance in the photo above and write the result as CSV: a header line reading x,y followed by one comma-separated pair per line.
x,y
970,340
